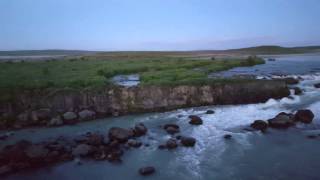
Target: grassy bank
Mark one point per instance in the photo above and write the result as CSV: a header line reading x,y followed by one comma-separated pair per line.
x,y
88,72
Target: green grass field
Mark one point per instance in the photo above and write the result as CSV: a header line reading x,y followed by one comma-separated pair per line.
x,y
95,72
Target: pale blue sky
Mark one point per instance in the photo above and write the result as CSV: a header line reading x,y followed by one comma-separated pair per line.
x,y
157,24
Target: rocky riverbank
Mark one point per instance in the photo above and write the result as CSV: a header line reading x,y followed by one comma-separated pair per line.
x,y
68,106
111,146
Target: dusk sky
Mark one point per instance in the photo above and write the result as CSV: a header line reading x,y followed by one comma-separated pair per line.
x,y
157,24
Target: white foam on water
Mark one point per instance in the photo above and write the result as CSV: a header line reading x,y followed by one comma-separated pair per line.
x,y
209,135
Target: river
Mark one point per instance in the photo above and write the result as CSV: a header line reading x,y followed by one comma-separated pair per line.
x,y
277,154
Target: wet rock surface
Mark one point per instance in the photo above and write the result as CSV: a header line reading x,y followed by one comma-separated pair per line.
x,y
284,120
297,91
171,144
120,134
317,85
210,112
172,128
188,141
195,120
145,171
304,116
111,146
259,125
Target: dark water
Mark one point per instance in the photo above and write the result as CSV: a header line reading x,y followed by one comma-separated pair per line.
x,y
248,155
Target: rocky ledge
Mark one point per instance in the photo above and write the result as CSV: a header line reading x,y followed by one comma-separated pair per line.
x,y
109,146
284,120
58,107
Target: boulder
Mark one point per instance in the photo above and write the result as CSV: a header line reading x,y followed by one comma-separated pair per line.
x,y
120,134
210,112
81,150
86,114
134,143
140,129
145,171
171,125
227,136
3,137
36,152
297,91
304,116
172,130
52,156
41,114
259,125
291,80
56,121
5,169
115,156
162,146
188,141
195,120
70,117
282,121
95,139
312,136
317,85
15,153
23,117
171,144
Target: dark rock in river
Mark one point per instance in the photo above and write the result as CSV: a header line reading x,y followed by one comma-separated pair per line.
x,y
210,112
259,125
172,130
81,150
36,152
171,125
304,116
282,121
312,136
120,134
5,169
3,137
227,136
162,146
15,153
297,91
195,120
188,141
134,143
317,85
140,129
291,80
95,139
171,144
147,170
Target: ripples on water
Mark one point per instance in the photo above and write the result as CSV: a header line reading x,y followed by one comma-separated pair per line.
x,y
248,155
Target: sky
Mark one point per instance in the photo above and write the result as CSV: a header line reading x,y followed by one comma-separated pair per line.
x,y
157,24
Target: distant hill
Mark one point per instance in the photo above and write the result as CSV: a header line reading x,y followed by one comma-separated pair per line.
x,y
54,52
275,50
258,50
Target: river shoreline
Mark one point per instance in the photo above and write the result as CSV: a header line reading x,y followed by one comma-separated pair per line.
x,y
55,108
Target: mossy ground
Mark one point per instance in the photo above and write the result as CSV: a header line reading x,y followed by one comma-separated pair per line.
x,y
96,72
